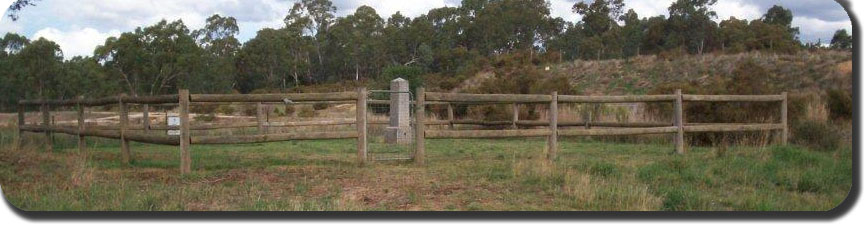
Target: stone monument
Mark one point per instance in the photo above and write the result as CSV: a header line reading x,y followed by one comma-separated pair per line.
x,y
399,129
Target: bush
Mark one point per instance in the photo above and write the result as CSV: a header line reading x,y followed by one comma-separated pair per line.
x,y
748,78
306,112
414,76
839,104
207,117
816,135
320,106
225,110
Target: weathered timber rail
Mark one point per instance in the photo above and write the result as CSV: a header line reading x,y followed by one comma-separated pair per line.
x,y
552,128
138,133
677,127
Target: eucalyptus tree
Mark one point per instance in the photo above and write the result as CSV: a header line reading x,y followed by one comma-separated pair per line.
x,y
154,60
218,41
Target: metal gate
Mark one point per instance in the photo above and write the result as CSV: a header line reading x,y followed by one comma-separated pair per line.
x,y
390,135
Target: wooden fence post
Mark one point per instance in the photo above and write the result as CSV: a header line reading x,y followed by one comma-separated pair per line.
x,y
19,140
46,123
450,115
553,126
420,127
145,116
262,129
124,123
515,116
185,139
679,122
82,145
784,117
361,125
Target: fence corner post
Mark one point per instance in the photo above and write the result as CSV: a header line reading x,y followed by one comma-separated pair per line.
x,y
19,140
260,116
361,125
553,127
82,145
185,157
420,127
46,124
145,116
450,115
124,123
785,119
515,116
679,122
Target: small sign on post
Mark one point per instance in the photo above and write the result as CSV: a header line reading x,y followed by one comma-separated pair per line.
x,y
173,126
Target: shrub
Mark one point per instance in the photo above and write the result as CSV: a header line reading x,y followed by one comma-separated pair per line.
x,y
320,106
225,110
207,117
410,73
839,104
306,112
817,135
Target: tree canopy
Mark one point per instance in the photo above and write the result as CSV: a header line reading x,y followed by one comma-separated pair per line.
x,y
315,46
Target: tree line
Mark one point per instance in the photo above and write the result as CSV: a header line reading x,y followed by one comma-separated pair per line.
x,y
314,46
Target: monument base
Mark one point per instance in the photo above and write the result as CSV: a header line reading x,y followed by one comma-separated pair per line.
x,y
398,135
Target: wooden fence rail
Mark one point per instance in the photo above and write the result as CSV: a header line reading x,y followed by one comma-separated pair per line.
x,y
126,132
678,126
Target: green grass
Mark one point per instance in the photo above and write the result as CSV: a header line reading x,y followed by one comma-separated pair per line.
x,y
460,175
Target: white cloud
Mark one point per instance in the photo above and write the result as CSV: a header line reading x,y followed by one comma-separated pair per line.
x,y
813,29
649,8
79,42
563,9
738,9
410,8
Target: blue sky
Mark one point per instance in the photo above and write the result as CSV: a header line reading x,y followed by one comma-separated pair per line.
x,y
80,25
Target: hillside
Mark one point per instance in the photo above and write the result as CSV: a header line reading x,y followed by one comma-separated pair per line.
x,y
803,72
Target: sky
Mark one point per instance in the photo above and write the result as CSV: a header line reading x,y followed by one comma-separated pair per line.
x,y
78,26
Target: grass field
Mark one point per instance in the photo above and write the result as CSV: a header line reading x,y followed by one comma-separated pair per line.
x,y
460,175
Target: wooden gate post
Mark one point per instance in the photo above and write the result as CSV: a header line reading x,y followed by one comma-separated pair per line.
x,y
46,123
450,116
185,157
19,140
784,140
420,127
82,145
552,153
145,116
361,125
679,122
261,117
124,123
515,116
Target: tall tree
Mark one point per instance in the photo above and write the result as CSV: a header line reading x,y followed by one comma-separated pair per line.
x,y
690,24
221,47
316,17
841,40
153,60
601,30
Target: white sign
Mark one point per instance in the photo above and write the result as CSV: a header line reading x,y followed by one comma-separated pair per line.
x,y
173,132
173,121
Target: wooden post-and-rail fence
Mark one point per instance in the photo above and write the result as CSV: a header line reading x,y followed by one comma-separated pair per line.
x,y
678,127
126,132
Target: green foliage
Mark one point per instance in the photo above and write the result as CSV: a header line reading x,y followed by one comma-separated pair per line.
x,y
839,102
748,78
816,135
320,106
306,112
842,40
414,76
